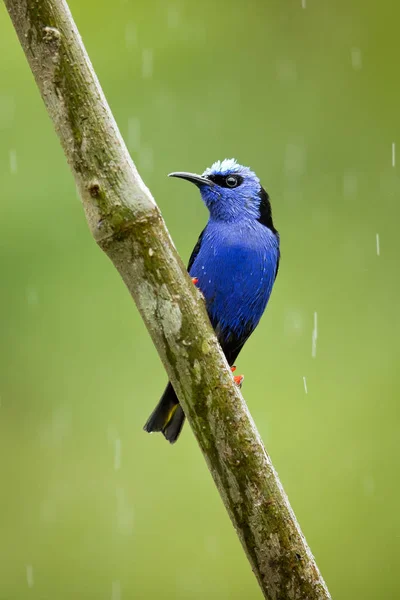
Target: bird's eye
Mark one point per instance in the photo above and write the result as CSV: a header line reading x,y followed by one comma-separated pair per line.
x,y
231,181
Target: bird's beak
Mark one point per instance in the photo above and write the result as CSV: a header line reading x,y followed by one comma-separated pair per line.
x,y
196,179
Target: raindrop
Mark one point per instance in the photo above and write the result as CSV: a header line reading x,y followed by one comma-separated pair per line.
x,y
32,296
61,423
173,16
369,485
211,545
295,159
286,71
13,161
130,35
116,590
112,434
57,429
314,337
134,134
293,324
124,513
393,154
378,247
350,184
147,63
303,3
146,159
29,576
356,59
117,455
305,385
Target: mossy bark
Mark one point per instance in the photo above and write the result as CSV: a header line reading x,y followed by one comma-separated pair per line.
x,y
128,226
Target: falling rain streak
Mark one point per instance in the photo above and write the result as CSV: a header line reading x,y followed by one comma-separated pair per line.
x,y
146,158
147,63
32,296
134,134
117,455
173,17
356,59
314,337
29,576
305,385
116,590
393,154
350,184
378,246
130,35
13,161
303,3
124,512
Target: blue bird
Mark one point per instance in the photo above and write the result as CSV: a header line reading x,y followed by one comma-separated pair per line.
x,y
234,263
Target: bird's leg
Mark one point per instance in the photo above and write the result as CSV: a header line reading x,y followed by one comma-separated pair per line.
x,y
238,379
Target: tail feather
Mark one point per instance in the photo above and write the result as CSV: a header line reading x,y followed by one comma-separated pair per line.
x,y
168,416
174,426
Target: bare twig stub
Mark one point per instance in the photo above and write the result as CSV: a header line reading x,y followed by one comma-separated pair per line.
x,y
127,225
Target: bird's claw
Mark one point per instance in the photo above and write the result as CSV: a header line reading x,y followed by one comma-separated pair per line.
x,y
238,379
195,281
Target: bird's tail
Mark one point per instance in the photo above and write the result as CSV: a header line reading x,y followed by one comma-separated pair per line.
x,y
167,417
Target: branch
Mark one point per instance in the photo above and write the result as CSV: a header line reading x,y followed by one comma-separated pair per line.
x,y
127,225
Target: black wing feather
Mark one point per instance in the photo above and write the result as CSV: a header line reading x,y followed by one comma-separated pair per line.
x,y
232,343
196,250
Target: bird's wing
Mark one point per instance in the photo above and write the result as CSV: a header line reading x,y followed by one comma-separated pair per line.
x,y
196,250
277,264
233,343
279,257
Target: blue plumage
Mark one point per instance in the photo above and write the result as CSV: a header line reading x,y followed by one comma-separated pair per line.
x,y
235,261
235,268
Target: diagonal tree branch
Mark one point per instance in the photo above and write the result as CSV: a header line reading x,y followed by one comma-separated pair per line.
x,y
127,225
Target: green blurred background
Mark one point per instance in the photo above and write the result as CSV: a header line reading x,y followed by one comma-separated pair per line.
x,y
308,95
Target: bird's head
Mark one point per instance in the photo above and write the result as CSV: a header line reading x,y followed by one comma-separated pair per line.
x,y
231,192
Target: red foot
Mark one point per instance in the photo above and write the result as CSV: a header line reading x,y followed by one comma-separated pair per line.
x,y
238,379
195,280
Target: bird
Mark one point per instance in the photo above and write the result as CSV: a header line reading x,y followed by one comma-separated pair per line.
x,y
234,264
